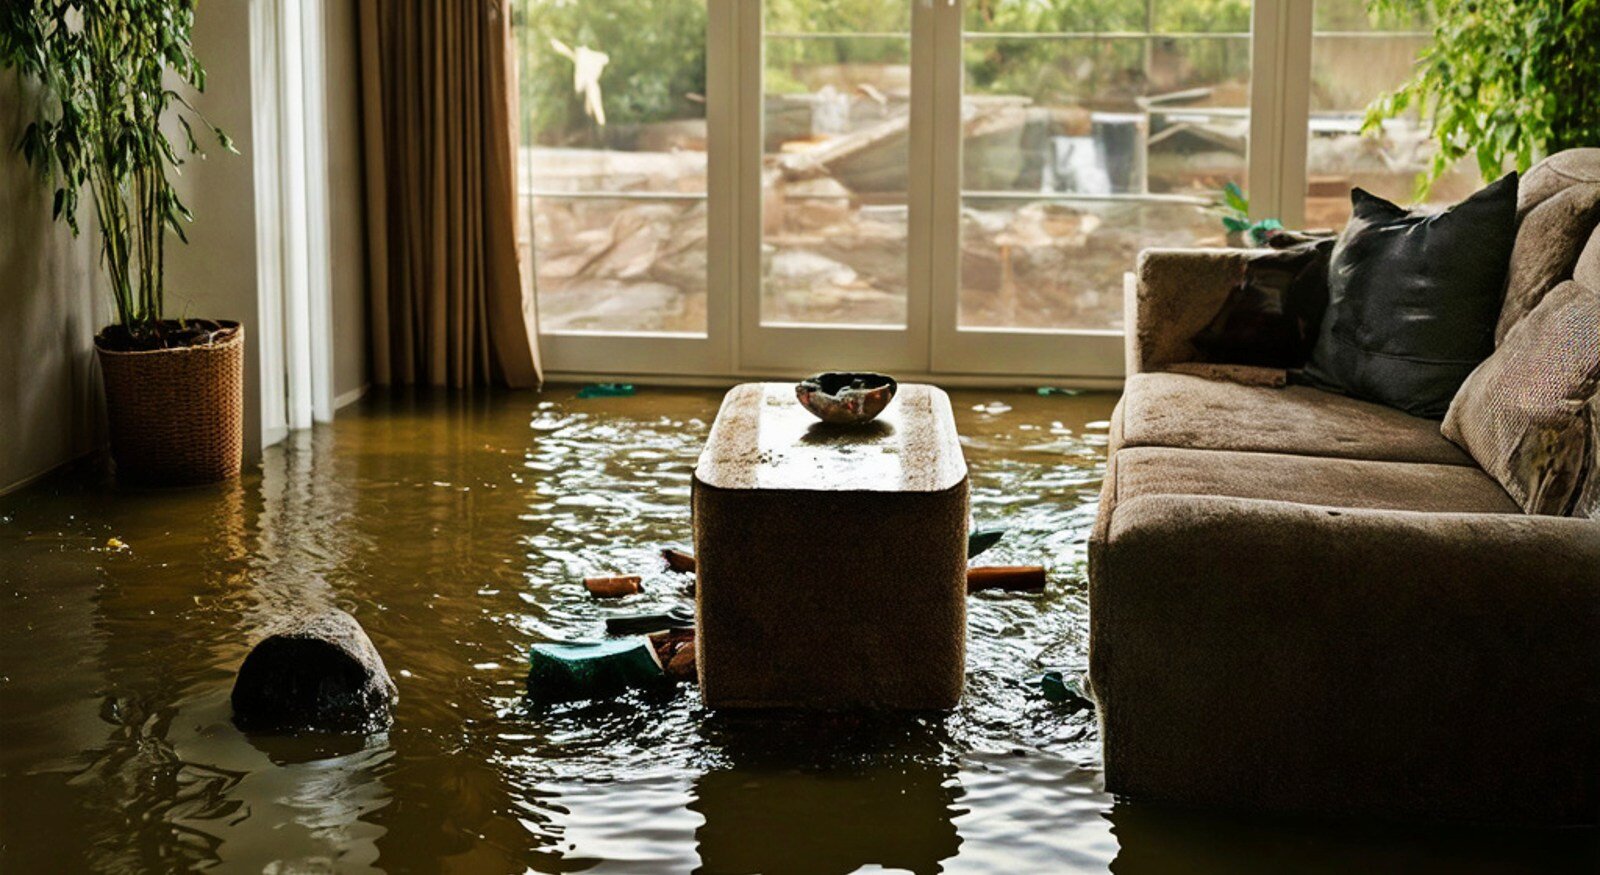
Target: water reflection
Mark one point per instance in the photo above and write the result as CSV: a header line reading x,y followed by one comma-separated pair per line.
x,y
830,795
455,528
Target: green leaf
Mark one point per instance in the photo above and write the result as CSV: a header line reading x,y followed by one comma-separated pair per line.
x,y
1234,197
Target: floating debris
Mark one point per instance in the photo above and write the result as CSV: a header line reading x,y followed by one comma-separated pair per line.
x,y
993,408
678,561
1010,578
675,650
564,671
613,587
606,390
1052,390
639,624
1063,689
982,539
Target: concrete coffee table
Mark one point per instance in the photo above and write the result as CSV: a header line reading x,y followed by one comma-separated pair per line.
x,y
831,559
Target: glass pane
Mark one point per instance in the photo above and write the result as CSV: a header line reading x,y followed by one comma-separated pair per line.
x,y
1355,58
1090,131
621,265
1034,263
612,170
835,149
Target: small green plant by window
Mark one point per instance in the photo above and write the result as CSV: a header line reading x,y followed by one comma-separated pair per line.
x,y
1234,207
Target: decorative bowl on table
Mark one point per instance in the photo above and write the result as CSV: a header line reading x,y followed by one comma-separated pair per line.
x,y
845,398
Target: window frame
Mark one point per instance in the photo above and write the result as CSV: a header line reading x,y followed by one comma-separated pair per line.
x,y
931,344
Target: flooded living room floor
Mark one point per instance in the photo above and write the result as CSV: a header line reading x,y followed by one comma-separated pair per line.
x,y
456,531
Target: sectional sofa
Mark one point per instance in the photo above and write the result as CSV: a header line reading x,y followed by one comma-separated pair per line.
x,y
1303,602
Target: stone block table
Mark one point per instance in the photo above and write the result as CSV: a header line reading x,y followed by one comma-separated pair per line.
x,y
831,560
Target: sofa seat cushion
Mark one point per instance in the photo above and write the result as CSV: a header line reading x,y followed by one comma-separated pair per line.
x,y
1178,410
1313,480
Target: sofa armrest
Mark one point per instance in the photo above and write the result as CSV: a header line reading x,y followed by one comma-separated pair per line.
x,y
1289,657
1175,293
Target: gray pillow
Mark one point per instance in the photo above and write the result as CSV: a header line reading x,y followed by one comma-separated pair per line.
x,y
1527,415
1413,298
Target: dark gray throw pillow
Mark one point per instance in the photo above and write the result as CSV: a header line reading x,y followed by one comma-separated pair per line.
x,y
1272,317
1413,298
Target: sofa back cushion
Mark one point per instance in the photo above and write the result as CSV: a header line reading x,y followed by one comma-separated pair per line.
x,y
1413,298
1529,413
1558,207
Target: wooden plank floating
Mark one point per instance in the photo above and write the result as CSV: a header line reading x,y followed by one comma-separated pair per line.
x,y
678,561
613,587
1008,578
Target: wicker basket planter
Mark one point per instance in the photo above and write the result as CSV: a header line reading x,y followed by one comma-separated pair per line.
x,y
176,415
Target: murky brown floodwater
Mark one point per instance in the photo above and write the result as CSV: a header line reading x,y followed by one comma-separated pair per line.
x,y
454,530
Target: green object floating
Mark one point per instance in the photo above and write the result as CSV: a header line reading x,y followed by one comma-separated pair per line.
x,y
982,539
1052,390
564,671
1064,690
606,390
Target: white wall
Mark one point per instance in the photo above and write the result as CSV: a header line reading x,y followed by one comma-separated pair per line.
x,y
215,275
52,300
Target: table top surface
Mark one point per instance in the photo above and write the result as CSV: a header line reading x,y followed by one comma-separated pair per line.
x,y
763,439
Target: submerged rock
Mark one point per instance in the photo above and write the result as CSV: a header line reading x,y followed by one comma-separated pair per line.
x,y
315,672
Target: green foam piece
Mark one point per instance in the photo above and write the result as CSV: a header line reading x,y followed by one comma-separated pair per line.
x,y
561,671
606,390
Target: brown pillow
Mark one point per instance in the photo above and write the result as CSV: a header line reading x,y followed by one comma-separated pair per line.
x,y
1526,414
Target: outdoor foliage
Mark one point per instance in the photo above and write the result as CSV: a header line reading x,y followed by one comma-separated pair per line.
x,y
657,61
657,51
101,69
1502,82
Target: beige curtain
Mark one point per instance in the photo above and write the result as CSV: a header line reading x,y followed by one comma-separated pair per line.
x,y
446,295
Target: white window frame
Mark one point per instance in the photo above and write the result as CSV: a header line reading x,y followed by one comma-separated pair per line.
x,y
738,344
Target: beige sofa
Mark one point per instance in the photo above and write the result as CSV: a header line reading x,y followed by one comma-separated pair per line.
x,y
1302,602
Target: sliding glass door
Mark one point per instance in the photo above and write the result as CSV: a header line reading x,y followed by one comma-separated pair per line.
x,y
833,246
935,187
625,183
1080,133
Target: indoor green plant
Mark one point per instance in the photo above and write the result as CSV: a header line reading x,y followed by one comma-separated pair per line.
x,y
1504,83
105,73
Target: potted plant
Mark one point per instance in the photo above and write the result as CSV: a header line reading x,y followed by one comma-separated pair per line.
x,y
105,74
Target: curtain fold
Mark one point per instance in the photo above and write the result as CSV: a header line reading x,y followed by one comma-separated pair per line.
x,y
444,284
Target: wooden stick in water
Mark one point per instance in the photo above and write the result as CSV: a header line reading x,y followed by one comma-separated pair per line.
x,y
1011,578
612,587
